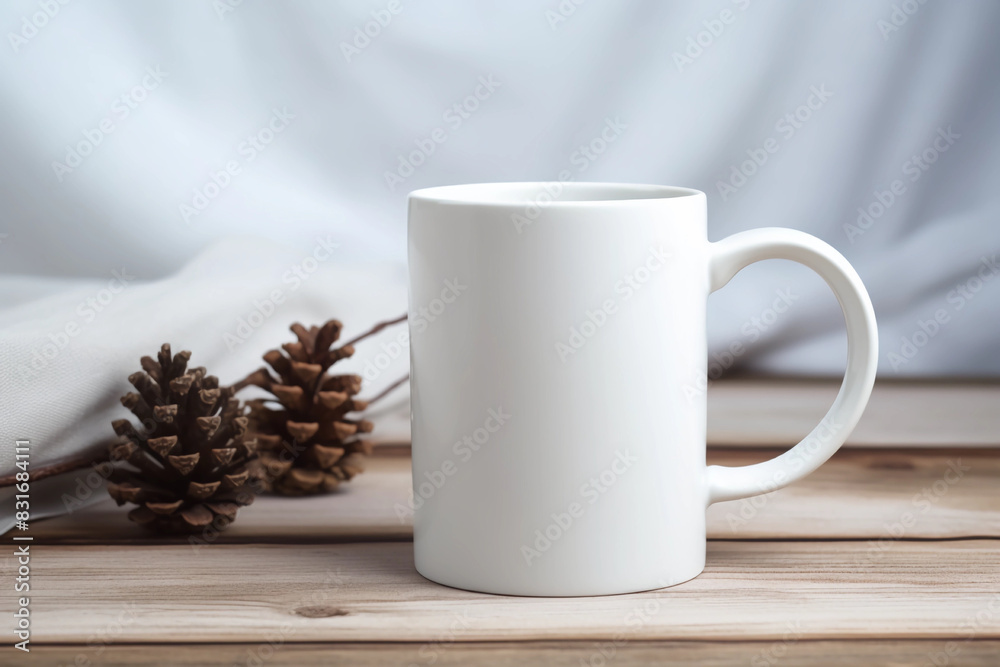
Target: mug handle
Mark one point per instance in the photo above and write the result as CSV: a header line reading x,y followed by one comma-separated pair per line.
x,y
727,257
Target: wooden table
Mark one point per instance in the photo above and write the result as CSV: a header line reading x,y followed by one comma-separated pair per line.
x,y
881,557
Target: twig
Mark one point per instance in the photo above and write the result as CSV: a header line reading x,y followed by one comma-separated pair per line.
x,y
242,384
375,329
68,465
387,390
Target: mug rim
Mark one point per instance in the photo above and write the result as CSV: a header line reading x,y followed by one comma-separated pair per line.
x,y
526,193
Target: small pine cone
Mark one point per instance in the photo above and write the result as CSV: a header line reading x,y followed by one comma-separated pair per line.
x,y
307,442
188,465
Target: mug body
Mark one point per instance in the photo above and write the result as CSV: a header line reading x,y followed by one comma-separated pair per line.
x,y
557,336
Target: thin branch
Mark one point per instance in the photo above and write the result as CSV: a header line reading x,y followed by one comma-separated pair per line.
x,y
387,390
375,329
68,465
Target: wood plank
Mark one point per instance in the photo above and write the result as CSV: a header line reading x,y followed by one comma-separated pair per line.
x,y
899,414
791,651
361,510
780,412
371,592
870,494
859,494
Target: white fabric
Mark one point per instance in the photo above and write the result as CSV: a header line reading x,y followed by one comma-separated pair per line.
x,y
228,306
160,101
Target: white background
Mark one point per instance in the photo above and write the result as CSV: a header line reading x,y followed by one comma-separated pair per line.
x,y
894,83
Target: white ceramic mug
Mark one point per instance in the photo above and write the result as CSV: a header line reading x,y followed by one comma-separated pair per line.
x,y
557,344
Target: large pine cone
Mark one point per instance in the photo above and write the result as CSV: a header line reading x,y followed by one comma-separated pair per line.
x,y
307,444
189,462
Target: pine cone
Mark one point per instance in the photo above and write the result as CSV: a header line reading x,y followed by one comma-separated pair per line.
x,y
190,460
307,443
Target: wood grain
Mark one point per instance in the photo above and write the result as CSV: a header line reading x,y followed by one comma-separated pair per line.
x,y
877,558
899,414
870,494
757,591
859,494
780,412
800,653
